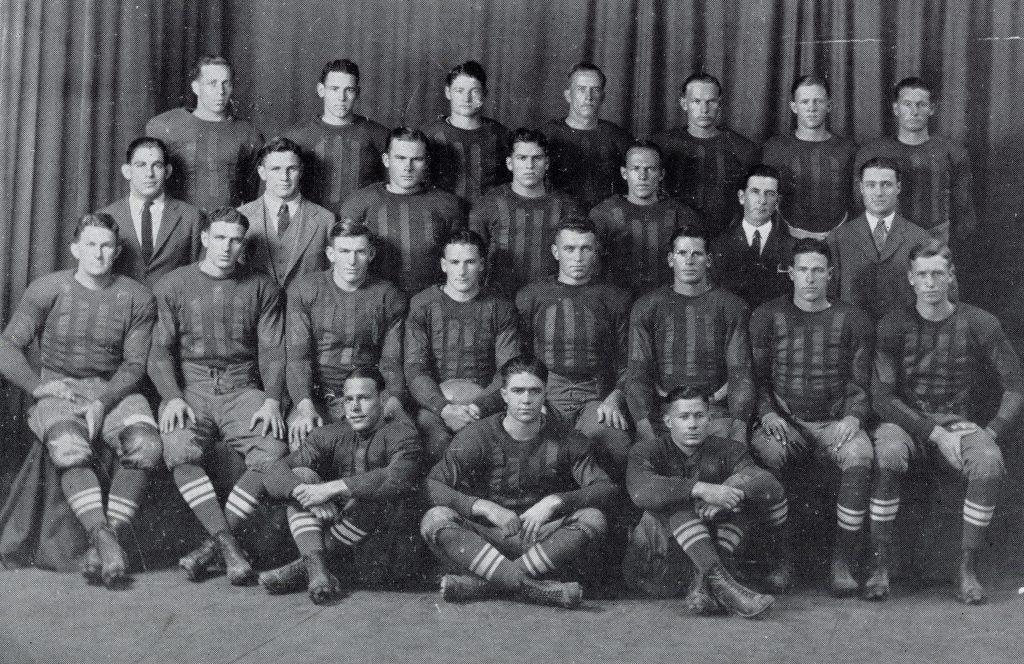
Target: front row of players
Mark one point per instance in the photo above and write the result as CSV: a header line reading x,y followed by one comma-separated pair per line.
x,y
516,497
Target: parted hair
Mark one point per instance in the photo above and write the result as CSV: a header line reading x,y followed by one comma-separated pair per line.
x,y
100,220
470,68
702,77
278,144
228,215
809,80
465,236
881,162
351,228
145,142
586,65
524,364
197,67
407,134
686,392
526,135
343,66
930,249
810,245
369,371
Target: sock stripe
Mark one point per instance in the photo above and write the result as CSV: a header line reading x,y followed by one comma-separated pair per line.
x,y
532,567
86,496
191,484
779,512
885,501
978,515
344,530
199,494
120,500
850,520
360,533
884,510
690,533
486,562
239,507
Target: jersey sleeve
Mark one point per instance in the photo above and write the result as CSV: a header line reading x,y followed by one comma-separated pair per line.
x,y
857,402
25,326
1002,358
402,473
507,345
640,393
761,357
135,352
420,370
738,363
452,480
396,306
270,331
648,488
595,487
299,335
885,382
166,340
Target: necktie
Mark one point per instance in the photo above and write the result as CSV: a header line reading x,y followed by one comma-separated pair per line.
x,y
755,245
146,239
880,235
283,219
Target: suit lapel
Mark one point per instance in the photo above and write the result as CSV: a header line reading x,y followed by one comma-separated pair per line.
x,y
170,219
864,239
896,238
123,216
303,237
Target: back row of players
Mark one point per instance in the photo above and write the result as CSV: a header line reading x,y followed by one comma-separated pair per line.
x,y
518,495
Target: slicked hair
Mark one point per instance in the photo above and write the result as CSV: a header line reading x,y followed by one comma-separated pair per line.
x,y
197,68
470,68
588,66
145,142
228,215
99,220
524,364
342,66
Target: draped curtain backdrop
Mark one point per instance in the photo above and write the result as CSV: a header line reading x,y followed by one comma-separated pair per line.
x,y
79,79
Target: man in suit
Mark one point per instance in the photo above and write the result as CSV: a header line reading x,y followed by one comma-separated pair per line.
x,y
158,233
287,233
871,251
750,258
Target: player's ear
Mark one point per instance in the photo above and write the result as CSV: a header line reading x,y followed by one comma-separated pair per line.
x,y
568,96
667,420
508,163
554,250
126,171
384,158
320,90
504,394
73,246
792,106
204,238
117,249
195,88
623,172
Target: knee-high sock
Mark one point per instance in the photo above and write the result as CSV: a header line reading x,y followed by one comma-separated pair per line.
x,y
851,508
472,552
691,534
356,523
729,535
244,498
197,490
979,506
82,489
562,546
885,504
306,530
126,491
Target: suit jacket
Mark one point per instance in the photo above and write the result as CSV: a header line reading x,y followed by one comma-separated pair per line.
x,y
875,282
755,279
307,255
177,243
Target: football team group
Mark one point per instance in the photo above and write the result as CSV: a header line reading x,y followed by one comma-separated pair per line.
x,y
527,352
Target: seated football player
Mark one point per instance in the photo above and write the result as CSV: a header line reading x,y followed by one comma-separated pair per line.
x,y
578,325
690,332
812,367
517,500
340,319
701,494
930,361
218,362
94,330
348,478
457,337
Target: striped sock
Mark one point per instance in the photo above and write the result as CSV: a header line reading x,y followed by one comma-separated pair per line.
x,y
306,530
472,552
562,546
82,490
884,506
244,498
729,536
778,513
126,491
693,536
347,533
976,520
197,490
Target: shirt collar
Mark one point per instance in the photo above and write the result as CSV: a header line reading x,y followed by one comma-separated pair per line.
x,y
873,220
273,204
749,228
135,203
